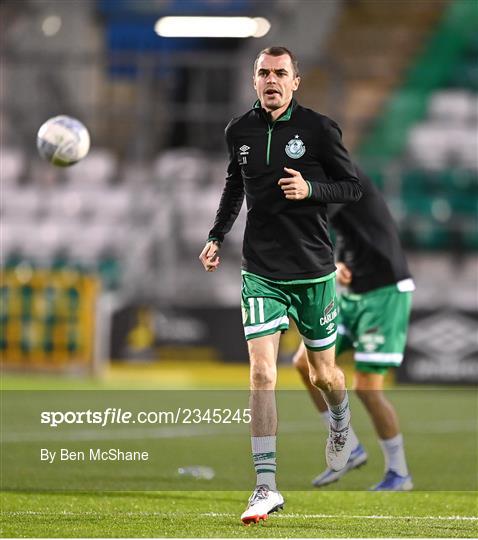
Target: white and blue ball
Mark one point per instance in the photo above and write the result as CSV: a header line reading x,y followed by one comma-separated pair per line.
x,y
63,141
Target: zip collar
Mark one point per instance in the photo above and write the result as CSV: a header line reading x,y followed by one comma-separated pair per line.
x,y
284,117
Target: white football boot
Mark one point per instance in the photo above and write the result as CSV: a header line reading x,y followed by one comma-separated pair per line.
x,y
338,448
357,458
262,502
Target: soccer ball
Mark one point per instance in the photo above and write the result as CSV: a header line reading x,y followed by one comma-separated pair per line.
x,y
63,141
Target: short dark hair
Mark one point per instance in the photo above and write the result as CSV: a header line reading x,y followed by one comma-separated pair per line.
x,y
279,51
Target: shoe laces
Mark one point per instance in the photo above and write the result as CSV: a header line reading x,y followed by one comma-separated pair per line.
x,y
338,438
260,493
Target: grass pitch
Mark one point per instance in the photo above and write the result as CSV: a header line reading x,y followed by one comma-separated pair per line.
x,y
439,426
216,514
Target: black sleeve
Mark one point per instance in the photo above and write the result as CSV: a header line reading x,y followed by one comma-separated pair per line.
x,y
338,166
339,247
232,195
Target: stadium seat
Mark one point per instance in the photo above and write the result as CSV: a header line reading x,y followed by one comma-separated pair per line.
x,y
455,107
21,238
465,76
436,146
13,164
69,203
111,205
109,269
465,181
96,170
470,238
90,240
181,169
430,236
196,209
464,205
21,204
427,146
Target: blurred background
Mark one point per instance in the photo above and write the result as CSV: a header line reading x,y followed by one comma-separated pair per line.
x,y
99,261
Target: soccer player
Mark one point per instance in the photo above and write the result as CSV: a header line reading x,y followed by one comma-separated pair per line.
x,y
373,321
289,162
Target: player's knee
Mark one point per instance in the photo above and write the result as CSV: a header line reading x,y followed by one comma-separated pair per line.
x,y
322,379
369,388
368,396
263,377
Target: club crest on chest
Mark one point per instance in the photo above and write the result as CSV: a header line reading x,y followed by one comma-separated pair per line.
x,y
295,148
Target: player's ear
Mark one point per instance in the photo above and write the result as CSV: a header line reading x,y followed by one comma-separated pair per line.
x,y
254,82
296,83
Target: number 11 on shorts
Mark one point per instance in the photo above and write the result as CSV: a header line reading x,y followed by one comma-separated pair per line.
x,y
252,310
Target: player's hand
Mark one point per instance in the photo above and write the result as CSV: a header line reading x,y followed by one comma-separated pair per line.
x,y
294,186
209,256
344,274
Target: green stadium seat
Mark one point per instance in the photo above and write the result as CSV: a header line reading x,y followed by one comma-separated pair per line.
x,y
413,185
461,203
470,236
377,178
427,235
419,206
465,76
109,269
463,181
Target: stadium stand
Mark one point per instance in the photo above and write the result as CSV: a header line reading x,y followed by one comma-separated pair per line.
x,y
136,211
441,188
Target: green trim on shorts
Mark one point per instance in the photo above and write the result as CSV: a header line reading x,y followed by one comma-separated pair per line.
x,y
291,281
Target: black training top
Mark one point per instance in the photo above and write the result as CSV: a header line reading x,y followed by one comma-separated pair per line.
x,y
368,241
285,239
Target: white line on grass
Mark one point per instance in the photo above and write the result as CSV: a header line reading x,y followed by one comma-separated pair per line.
x,y
116,434
230,514
332,516
346,516
172,432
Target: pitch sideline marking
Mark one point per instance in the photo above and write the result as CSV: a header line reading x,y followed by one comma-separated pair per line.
x,y
230,514
182,431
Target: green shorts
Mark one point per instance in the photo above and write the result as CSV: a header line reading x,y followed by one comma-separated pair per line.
x,y
375,325
312,304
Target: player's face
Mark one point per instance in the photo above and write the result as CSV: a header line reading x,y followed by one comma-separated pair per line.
x,y
274,81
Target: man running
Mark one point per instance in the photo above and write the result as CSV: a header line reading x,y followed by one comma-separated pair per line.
x,y
289,162
373,321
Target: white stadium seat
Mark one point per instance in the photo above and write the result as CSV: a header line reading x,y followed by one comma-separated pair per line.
x,y
428,144
452,106
184,168
435,146
19,204
12,163
96,170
